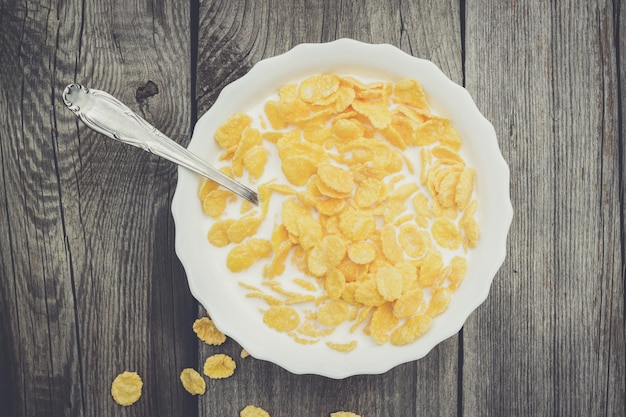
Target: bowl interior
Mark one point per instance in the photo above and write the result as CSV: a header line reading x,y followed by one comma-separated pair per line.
x,y
211,282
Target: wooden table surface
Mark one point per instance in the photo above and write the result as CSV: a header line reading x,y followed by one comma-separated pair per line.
x,y
90,284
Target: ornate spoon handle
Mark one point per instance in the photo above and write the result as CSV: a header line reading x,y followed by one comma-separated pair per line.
x,y
107,115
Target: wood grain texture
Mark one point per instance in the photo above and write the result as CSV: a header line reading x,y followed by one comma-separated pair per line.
x,y
89,281
37,294
550,339
133,289
91,286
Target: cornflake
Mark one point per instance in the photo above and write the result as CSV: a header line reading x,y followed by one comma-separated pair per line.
x,y
218,233
344,414
192,381
126,388
253,411
206,331
243,256
375,202
413,328
343,347
219,366
283,319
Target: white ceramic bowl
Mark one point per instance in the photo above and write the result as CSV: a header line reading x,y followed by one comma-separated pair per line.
x,y
213,285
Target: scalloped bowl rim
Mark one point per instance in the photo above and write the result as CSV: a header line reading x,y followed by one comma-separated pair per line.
x,y
382,61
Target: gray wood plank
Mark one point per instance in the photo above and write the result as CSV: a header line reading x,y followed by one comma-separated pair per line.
x,y
135,291
90,282
232,38
42,373
615,397
550,339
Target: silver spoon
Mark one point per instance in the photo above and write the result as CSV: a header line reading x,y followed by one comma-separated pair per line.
x,y
107,115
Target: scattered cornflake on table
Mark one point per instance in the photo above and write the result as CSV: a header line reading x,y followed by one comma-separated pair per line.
x,y
253,411
244,354
126,388
219,366
192,381
208,332
344,414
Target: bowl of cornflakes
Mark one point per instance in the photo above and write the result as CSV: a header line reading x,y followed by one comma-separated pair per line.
x,y
383,209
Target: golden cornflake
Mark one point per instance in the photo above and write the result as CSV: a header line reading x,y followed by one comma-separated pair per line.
x,y
408,303
335,283
459,269
218,235
357,224
383,321
413,328
250,138
333,313
404,191
430,267
446,189
299,168
330,206
326,255
126,388
362,252
318,89
214,203
270,300
206,331
309,231
282,189
367,293
283,319
427,133
390,282
219,366
244,255
254,160
344,414
242,228
377,113
391,249
307,285
192,381
470,226
446,233
229,134
206,186
336,178
414,242
246,206
439,302
292,211
342,347
368,192
464,188
253,411
347,129
410,92
421,205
